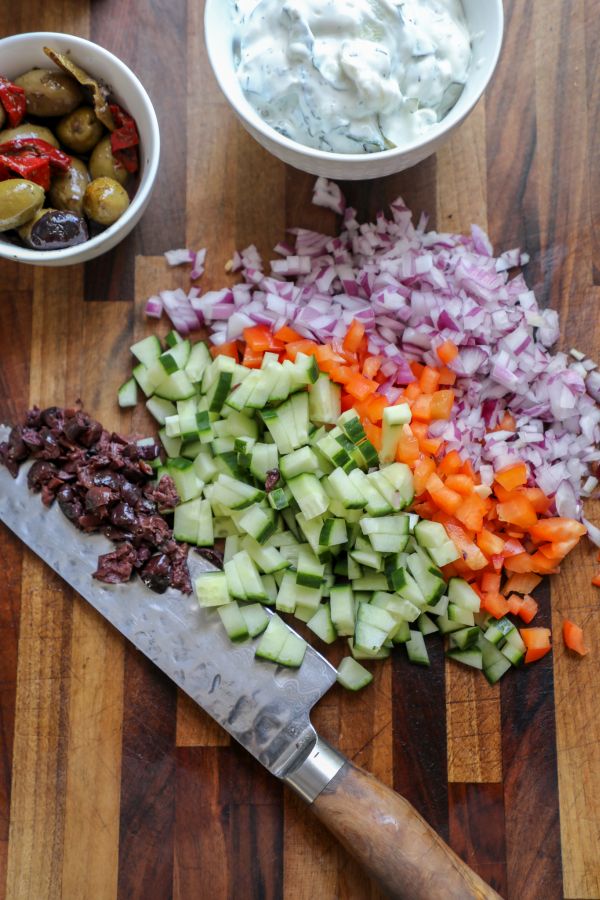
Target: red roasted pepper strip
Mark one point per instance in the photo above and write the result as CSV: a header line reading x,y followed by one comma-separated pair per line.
x,y
12,98
33,168
124,139
36,147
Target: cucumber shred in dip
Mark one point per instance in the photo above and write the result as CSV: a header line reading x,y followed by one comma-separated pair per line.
x,y
352,76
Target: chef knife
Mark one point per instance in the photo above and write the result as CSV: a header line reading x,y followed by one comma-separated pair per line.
x,y
264,707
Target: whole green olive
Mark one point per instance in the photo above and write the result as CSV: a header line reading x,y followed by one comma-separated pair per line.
x,y
49,93
103,163
67,188
80,131
54,229
28,130
19,201
105,201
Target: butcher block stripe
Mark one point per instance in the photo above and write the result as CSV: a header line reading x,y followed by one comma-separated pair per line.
x,y
93,762
482,846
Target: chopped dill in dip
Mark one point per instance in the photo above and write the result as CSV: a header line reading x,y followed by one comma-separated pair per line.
x,y
352,76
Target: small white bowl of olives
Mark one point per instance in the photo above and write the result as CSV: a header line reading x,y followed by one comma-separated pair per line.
x,y
91,201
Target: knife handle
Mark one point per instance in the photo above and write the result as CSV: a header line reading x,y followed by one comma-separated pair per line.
x,y
385,834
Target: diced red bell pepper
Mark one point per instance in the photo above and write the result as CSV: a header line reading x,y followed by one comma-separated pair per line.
x,y
573,638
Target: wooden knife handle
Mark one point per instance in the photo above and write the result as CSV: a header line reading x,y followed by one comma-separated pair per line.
x,y
393,842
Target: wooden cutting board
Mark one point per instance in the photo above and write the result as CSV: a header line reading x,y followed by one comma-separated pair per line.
x,y
112,785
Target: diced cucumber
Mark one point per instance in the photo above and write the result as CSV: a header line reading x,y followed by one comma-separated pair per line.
x,y
176,386
495,663
352,675
268,559
497,632
333,533
160,409
187,483
447,626
360,653
369,583
273,638
264,459
324,401
322,625
431,585
255,617
377,617
444,555
344,490
376,504
293,651
426,625
212,589
430,534
465,638
233,621
298,462
258,523
147,350
204,465
309,495
127,394
388,543
198,362
309,571
249,577
462,594
402,633
234,581
460,614
279,498
416,649
394,419
471,657
236,494
341,599
286,596
400,477
368,637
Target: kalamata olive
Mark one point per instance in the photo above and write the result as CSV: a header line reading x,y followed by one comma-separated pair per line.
x,y
54,229
2,116
28,130
49,93
103,163
67,188
80,131
105,201
19,201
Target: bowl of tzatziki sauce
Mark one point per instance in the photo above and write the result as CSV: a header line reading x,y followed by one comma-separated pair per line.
x,y
353,89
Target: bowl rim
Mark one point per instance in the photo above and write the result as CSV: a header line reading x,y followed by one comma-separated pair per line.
x,y
111,235
249,115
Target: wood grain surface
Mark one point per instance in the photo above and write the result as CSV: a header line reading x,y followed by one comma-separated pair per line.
x,y
112,785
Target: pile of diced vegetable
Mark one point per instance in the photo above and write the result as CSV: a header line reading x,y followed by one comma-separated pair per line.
x,y
338,507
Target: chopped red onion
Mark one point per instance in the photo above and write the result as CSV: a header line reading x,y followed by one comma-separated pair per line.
x,y
328,194
179,257
413,290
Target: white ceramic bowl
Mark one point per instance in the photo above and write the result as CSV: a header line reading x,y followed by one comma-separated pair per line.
x,y
22,52
486,24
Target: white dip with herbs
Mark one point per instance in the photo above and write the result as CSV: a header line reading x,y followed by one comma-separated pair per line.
x,y
352,76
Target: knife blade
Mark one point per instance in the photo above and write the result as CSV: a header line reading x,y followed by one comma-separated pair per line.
x,y
264,707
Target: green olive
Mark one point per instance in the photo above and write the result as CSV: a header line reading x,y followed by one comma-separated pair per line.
x,y
49,93
28,130
80,131
67,188
105,201
103,163
19,202
54,229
